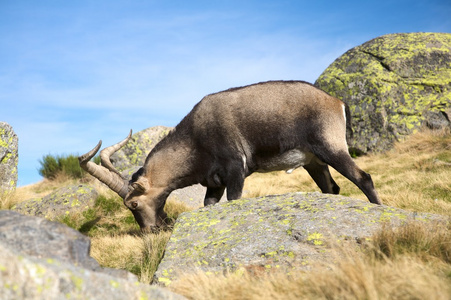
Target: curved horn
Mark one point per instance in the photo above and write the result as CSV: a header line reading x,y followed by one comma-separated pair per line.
x,y
107,152
110,177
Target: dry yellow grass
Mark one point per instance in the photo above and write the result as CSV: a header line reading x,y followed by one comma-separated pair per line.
x,y
138,253
354,277
10,198
117,251
413,262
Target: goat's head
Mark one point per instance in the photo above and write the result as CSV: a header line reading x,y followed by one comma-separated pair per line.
x,y
143,201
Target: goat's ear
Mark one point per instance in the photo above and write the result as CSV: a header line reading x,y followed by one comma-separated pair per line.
x,y
141,185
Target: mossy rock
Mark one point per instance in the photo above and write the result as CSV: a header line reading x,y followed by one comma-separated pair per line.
x,y
69,199
286,232
135,152
9,158
394,84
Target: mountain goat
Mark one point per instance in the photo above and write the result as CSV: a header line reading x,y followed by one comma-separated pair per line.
x,y
263,127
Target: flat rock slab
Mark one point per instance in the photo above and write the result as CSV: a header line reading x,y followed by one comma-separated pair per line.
x,y
69,199
290,231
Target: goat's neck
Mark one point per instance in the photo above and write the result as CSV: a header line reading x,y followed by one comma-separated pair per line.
x,y
172,166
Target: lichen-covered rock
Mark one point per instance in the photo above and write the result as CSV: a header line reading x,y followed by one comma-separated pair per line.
x,y
9,157
289,231
139,146
37,237
65,200
40,259
394,84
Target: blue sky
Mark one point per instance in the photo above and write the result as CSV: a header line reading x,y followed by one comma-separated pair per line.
x,y
75,72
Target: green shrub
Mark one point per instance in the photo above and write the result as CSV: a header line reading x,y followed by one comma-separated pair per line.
x,y
49,167
52,166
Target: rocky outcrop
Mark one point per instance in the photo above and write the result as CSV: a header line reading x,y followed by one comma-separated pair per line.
x,y
135,152
69,199
394,84
40,259
9,157
291,231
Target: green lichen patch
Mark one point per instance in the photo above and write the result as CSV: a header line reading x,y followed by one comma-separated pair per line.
x,y
316,238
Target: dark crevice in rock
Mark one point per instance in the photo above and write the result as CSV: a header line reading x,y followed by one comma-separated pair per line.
x,y
380,59
436,120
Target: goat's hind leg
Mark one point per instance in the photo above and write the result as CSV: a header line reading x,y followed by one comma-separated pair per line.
x,y
321,175
343,163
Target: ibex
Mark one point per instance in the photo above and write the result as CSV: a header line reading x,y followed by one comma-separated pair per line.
x,y
263,127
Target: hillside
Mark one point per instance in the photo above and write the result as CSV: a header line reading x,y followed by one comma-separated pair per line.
x,y
415,176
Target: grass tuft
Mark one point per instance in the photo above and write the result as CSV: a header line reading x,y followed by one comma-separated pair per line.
x,y
7,199
152,250
108,217
174,208
137,253
426,242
